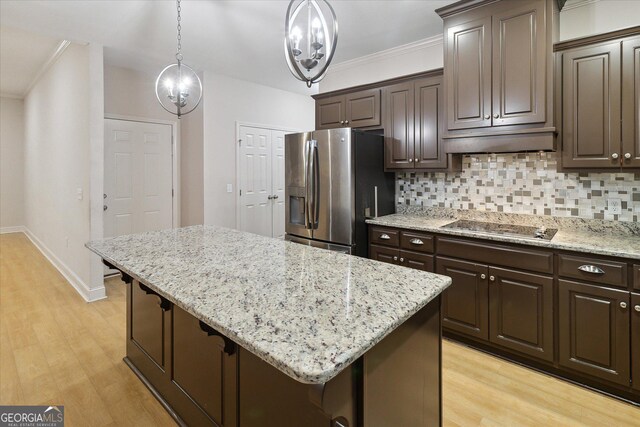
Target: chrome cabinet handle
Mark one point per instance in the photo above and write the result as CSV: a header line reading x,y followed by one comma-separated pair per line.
x,y
495,116
623,304
483,276
592,269
416,242
615,156
492,278
401,259
346,122
637,308
341,122
487,117
627,156
385,237
395,258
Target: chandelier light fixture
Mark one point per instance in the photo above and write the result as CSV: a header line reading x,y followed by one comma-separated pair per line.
x,y
178,87
310,40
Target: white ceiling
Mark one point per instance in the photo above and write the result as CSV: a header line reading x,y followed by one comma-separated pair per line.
x,y
236,38
22,56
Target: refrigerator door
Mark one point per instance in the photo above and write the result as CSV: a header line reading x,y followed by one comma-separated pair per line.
x,y
296,157
319,244
332,179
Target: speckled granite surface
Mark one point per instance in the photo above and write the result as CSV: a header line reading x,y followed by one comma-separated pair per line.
x,y
614,238
307,311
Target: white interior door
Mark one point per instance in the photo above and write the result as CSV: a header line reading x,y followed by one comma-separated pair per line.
x,y
255,180
138,179
277,174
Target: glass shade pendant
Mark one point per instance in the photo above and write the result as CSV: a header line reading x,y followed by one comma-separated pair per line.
x,y
311,36
178,87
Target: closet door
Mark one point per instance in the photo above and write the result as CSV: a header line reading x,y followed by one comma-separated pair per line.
x,y
255,180
277,183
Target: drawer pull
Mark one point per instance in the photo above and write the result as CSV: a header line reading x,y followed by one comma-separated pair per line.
x,y
623,304
385,237
637,308
416,242
591,269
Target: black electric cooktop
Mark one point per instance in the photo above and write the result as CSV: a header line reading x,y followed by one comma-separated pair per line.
x,y
524,231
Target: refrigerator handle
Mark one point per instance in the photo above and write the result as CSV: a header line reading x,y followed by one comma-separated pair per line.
x,y
307,183
312,184
375,201
316,184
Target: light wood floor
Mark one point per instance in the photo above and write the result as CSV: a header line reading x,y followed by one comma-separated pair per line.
x,y
57,349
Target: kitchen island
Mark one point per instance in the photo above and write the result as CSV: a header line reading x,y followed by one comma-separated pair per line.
x,y
234,329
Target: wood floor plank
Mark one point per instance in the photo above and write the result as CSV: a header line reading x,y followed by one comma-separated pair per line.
x,y
57,349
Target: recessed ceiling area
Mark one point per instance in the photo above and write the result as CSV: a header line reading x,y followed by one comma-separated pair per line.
x,y
23,55
236,38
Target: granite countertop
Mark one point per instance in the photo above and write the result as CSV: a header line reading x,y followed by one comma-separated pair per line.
x,y
580,236
308,312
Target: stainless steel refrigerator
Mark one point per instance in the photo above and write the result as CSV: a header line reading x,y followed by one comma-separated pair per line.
x,y
334,180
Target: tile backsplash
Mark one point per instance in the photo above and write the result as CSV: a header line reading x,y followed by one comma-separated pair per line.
x,y
528,183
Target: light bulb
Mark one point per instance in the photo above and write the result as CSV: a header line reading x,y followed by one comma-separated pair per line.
x,y
316,24
296,34
168,83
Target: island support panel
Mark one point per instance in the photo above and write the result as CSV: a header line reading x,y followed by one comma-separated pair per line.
x,y
204,379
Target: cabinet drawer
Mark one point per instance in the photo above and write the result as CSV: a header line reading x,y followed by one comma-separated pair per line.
x,y
598,270
384,254
636,276
385,236
506,256
416,260
418,242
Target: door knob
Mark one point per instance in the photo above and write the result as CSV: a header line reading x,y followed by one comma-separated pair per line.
x,y
401,259
483,276
487,117
495,116
623,304
275,196
395,258
269,197
104,196
614,156
637,308
492,278
341,122
627,156
346,122
105,207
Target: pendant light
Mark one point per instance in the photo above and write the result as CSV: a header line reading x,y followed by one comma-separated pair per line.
x,y
178,87
310,41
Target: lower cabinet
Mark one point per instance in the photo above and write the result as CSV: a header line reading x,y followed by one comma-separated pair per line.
x,y
147,323
594,331
635,340
415,260
465,304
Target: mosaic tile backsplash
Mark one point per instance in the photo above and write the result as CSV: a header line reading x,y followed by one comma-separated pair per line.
x,y
527,183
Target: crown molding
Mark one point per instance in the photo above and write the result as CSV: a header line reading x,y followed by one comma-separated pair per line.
x,y
575,4
49,62
11,95
388,53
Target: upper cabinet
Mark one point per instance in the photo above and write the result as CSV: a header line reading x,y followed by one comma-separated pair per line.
x,y
499,75
357,110
599,93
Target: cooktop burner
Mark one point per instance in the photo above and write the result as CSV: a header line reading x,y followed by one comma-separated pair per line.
x,y
525,231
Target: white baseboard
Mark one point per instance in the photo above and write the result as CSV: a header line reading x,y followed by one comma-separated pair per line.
x,y
78,284
14,229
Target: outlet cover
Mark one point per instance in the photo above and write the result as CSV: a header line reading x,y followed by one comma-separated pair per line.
x,y
614,206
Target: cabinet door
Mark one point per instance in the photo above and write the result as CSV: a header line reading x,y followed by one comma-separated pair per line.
x,y
147,322
631,102
519,65
465,304
468,74
382,254
591,106
330,112
363,108
416,260
429,148
521,312
398,126
635,340
593,331
204,372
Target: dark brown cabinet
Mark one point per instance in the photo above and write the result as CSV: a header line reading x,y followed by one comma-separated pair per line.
x,y
357,110
147,323
636,277
498,60
406,248
635,340
593,331
521,312
600,95
398,126
631,102
591,106
383,254
465,304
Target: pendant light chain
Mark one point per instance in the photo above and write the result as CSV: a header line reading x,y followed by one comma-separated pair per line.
x,y
179,51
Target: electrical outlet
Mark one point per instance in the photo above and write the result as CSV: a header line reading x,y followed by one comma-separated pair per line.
x,y
229,188
614,206
79,193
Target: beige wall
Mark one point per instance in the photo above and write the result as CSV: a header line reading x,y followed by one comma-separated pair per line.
x,y
57,165
11,163
226,102
587,18
132,93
